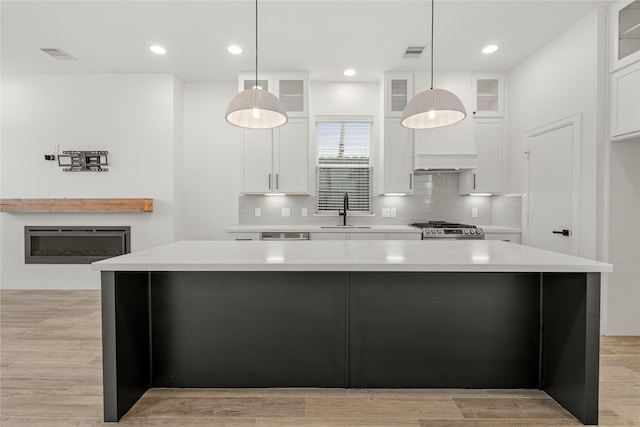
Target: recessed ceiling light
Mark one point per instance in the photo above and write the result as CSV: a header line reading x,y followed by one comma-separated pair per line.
x,y
349,72
157,49
490,49
234,49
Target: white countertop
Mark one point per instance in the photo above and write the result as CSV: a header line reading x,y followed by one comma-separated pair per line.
x,y
349,255
311,228
499,229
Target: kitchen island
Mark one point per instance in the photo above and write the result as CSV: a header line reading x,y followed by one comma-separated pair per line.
x,y
383,314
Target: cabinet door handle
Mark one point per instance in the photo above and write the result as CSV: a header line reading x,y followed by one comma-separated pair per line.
x,y
269,181
410,182
474,181
277,181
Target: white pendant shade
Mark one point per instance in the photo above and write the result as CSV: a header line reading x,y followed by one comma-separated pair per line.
x,y
256,109
431,109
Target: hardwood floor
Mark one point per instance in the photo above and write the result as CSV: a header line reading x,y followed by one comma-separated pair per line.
x,y
51,375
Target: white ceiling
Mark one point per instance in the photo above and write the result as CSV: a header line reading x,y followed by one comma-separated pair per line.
x,y
320,36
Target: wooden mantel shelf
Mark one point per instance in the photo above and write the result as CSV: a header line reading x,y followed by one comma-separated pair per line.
x,y
75,205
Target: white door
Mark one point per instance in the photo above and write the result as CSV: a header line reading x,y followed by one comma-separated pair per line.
x,y
551,186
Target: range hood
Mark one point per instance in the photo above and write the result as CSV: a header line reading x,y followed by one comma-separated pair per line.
x,y
449,148
444,162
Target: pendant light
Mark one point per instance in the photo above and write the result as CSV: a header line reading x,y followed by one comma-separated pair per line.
x,y
432,108
256,108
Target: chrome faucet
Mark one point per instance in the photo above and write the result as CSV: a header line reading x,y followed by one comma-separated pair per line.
x,y
345,207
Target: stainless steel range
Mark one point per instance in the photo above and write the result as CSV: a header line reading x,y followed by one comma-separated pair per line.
x,y
448,230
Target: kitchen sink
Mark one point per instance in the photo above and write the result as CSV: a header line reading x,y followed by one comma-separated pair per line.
x,y
345,226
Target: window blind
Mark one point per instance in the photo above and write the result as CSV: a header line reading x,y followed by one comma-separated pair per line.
x,y
344,166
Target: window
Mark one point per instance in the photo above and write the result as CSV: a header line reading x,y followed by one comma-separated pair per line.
x,y
344,165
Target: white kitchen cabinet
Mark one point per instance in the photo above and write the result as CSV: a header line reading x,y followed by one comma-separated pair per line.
x,y
487,94
292,89
257,146
398,157
291,157
248,81
243,236
625,33
367,236
327,236
277,160
505,237
624,121
405,236
398,89
489,177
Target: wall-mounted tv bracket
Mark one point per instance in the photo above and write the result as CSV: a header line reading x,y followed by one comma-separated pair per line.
x,y
83,161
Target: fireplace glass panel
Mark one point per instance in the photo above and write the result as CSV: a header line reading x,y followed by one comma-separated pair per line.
x,y
74,245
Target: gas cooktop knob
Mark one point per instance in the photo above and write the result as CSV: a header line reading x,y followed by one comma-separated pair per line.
x,y
439,231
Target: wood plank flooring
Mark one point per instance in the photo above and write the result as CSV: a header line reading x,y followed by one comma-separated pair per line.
x,y
51,375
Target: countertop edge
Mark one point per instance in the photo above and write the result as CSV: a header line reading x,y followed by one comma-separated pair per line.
x,y
506,268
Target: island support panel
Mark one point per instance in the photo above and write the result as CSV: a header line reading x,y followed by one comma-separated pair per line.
x,y
571,342
126,357
351,329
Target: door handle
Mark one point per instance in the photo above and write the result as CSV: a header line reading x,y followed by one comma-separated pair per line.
x,y
563,232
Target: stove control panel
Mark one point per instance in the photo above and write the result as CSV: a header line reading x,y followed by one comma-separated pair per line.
x,y
452,233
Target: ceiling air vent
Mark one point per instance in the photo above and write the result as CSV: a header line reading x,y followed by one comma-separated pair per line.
x,y
413,51
58,54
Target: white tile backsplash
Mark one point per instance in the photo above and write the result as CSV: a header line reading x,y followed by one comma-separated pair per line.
x,y
435,198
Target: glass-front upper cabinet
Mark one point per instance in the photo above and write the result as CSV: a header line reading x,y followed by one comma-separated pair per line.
x,y
398,91
248,81
292,89
488,95
625,33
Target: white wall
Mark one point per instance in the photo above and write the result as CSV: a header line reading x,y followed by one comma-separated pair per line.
x,y
212,161
178,160
563,78
131,116
623,314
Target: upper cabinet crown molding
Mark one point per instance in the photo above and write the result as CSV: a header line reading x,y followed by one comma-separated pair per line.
x,y
624,25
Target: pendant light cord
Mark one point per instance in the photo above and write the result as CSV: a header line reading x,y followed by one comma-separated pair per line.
x,y
257,44
432,20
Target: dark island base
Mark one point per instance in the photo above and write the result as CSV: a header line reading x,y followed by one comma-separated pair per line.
x,y
352,330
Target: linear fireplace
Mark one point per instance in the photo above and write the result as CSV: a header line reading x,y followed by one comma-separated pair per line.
x,y
74,245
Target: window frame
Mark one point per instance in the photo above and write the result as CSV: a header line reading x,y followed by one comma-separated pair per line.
x,y
369,166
